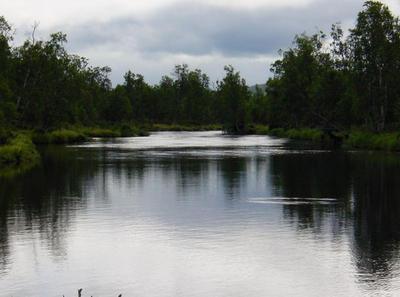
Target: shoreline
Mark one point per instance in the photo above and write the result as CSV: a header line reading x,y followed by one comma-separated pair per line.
x,y
355,139
19,153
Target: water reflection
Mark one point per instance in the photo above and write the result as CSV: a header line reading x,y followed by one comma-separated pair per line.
x,y
367,187
266,210
376,210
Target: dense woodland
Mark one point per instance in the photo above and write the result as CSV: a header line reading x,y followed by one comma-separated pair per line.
x,y
339,81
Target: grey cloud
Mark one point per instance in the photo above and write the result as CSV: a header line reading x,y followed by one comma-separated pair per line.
x,y
199,29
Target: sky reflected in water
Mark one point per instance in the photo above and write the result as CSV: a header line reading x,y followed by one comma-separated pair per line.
x,y
202,214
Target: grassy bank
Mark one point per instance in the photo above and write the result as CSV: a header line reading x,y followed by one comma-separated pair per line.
x,y
63,136
372,141
308,134
114,131
178,127
18,154
81,134
354,139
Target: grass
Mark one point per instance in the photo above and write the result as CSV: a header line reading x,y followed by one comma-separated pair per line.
x,y
260,129
99,132
356,139
313,135
82,134
115,131
389,141
179,127
63,136
18,154
308,134
125,130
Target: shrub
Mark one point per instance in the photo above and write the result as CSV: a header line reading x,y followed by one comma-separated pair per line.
x,y
368,140
19,151
63,136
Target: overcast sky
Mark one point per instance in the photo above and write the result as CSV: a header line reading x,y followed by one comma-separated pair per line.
x,y
151,36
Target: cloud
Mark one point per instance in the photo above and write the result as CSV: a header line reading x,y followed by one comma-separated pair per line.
x,y
151,36
200,29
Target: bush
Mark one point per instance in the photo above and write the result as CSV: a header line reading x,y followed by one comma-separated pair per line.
x,y
19,151
305,134
187,128
63,136
100,132
261,129
368,140
128,131
278,132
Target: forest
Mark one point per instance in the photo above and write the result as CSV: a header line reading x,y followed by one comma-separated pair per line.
x,y
343,81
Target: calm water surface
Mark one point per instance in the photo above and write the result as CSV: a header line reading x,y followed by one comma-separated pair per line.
x,y
202,214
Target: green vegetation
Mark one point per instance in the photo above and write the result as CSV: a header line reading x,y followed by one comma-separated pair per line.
x,y
313,135
62,136
190,128
80,134
99,132
349,82
18,154
259,129
371,141
320,88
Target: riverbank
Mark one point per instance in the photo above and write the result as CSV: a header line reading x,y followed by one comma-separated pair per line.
x,y
81,134
18,151
77,134
354,139
179,127
17,155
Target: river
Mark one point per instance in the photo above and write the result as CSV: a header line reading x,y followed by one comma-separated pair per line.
x,y
202,214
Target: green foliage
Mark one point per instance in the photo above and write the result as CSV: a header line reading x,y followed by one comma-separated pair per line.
x,y
19,151
353,81
308,134
234,97
189,128
373,141
128,131
305,134
62,136
99,132
374,60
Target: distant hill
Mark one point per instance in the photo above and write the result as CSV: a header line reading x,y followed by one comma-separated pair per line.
x,y
260,86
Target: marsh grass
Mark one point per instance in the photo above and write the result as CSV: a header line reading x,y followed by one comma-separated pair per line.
x,y
308,134
99,132
17,155
63,136
188,128
260,130
81,134
356,139
370,141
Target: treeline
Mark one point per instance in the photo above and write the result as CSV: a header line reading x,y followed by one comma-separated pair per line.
x,y
342,80
43,87
336,81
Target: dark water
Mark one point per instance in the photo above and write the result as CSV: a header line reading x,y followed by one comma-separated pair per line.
x,y
201,214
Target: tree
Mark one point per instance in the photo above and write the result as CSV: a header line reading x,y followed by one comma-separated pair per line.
x,y
7,104
295,75
119,106
234,97
375,62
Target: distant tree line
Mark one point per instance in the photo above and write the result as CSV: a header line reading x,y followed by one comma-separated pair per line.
x,y
341,81
336,81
